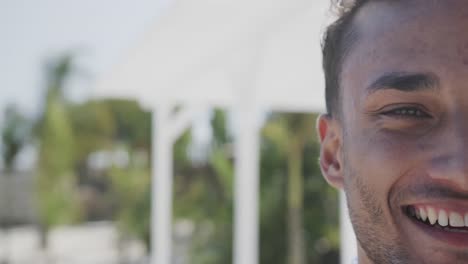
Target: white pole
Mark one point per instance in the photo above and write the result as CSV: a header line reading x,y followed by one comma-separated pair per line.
x,y
246,187
348,239
244,71
161,187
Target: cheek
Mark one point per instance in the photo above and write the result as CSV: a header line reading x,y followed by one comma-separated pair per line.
x,y
380,160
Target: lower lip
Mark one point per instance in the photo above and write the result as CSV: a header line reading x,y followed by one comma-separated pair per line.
x,y
448,237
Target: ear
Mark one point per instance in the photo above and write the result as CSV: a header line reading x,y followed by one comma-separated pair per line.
x,y
330,161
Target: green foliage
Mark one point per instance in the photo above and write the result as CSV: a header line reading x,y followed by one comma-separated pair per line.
x,y
219,128
132,124
131,187
111,124
57,72
15,134
56,188
273,206
56,180
294,199
283,136
203,193
94,127
182,161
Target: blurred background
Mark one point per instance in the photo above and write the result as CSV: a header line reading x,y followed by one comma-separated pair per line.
x,y
76,129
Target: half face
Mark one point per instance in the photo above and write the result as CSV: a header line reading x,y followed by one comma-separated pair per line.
x,y
400,147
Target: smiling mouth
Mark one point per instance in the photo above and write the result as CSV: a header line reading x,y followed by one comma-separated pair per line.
x,y
441,219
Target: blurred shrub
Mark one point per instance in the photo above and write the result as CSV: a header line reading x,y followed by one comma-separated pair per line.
x,y
101,150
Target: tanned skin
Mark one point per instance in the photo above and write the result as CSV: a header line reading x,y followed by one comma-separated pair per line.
x,y
400,139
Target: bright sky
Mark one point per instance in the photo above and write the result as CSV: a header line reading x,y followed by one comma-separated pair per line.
x,y
100,32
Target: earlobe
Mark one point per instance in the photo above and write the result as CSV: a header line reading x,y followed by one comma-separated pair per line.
x,y
330,160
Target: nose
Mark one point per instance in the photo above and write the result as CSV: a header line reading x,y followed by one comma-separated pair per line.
x,y
450,161
452,168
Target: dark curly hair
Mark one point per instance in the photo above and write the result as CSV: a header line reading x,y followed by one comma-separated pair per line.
x,y
337,42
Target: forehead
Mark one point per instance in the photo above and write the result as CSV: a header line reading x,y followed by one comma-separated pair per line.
x,y
413,36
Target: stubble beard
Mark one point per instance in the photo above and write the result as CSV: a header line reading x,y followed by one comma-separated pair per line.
x,y
368,220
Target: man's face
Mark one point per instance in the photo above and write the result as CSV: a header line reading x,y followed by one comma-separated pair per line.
x,y
400,146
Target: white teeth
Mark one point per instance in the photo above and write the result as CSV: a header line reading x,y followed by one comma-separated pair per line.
x,y
443,218
456,220
431,214
422,213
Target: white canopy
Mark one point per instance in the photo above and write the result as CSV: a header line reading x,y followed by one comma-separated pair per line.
x,y
242,54
189,55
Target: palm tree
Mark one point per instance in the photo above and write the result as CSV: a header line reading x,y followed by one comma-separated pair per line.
x,y
291,132
55,181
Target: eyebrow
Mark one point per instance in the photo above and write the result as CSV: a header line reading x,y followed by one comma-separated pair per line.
x,y
405,82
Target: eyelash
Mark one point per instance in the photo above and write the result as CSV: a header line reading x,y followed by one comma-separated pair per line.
x,y
407,112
